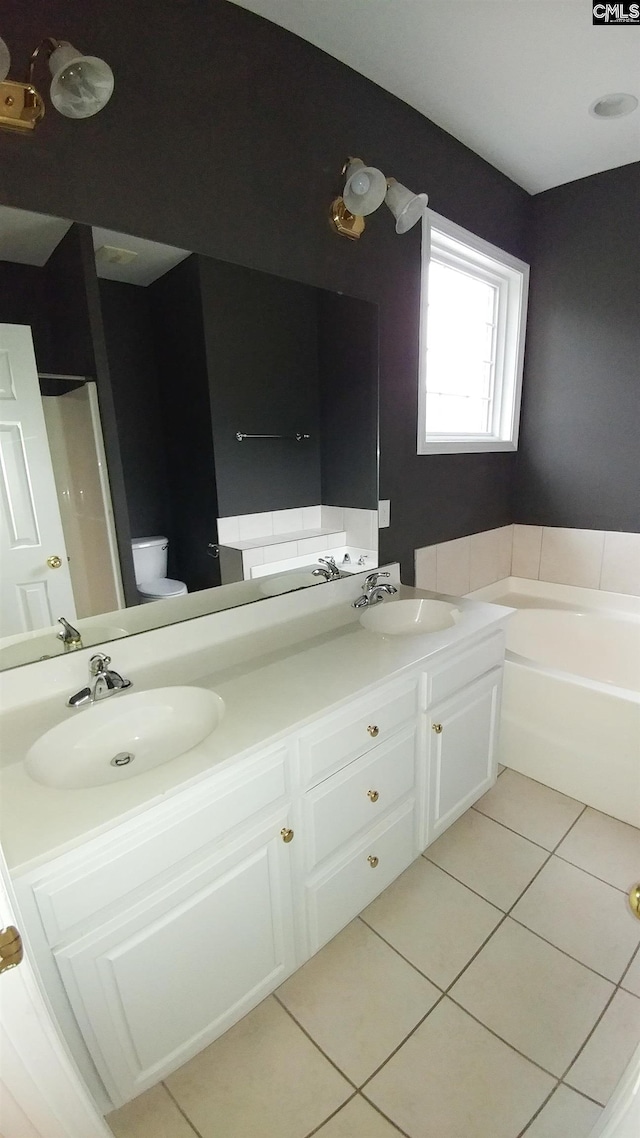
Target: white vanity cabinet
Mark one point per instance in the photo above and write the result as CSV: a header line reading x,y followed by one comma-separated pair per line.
x,y
160,934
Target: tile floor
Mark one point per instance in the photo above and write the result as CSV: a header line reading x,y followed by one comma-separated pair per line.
x,y
492,991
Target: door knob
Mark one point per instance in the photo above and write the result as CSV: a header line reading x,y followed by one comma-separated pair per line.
x,y
634,900
54,562
11,952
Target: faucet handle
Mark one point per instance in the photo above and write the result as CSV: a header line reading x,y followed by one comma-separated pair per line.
x,y
98,664
371,581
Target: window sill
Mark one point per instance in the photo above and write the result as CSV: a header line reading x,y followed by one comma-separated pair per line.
x,y
465,446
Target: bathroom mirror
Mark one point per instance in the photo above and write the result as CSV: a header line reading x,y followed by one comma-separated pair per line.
x,y
177,434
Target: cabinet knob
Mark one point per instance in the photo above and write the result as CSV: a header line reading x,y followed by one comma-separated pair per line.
x,y
373,860
54,562
11,951
373,795
286,835
373,731
437,727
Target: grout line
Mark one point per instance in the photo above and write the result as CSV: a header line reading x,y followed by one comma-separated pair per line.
x,y
511,1047
401,955
539,1110
401,1044
182,1112
589,1098
386,1117
509,828
564,952
463,883
332,1115
624,974
312,1040
594,875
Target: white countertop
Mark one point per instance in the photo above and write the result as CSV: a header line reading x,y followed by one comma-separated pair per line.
x,y
272,681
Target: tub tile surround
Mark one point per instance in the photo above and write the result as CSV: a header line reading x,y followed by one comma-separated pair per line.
x,y
287,539
592,559
370,1039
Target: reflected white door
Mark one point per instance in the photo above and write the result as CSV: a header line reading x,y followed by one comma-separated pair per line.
x,y
33,591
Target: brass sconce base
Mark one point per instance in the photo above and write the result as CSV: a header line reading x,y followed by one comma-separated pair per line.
x,y
345,223
21,107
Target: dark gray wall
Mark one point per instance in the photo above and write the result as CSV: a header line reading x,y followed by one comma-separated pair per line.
x,y
261,339
129,336
245,172
579,458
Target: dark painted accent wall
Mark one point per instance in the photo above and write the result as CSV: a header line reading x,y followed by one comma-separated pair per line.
x,y
348,378
186,413
261,340
129,337
579,463
245,173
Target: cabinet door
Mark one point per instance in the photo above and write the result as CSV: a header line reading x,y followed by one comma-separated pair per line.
x,y
157,985
461,741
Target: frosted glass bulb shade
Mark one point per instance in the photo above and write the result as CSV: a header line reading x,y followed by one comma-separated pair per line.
x,y
82,84
364,188
406,207
5,61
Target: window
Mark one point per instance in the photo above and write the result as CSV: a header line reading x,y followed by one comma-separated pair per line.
x,y
474,301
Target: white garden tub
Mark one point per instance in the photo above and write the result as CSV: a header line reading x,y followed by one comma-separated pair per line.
x,y
571,701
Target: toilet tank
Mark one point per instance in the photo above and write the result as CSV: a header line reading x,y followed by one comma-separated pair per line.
x,y
149,557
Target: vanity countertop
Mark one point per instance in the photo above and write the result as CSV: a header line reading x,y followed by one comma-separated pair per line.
x,y
295,674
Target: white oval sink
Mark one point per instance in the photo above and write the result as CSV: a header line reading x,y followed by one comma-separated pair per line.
x,y
123,736
410,618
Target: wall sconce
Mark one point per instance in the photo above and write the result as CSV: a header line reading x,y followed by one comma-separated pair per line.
x,y
81,85
365,189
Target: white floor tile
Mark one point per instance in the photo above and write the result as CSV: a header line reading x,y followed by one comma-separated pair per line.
x,y
263,1077
581,915
151,1115
432,920
605,847
453,1079
358,1000
487,857
357,1120
566,1115
531,809
631,980
533,996
598,1068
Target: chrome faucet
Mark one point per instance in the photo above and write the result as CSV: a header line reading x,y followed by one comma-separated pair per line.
x,y
331,572
69,636
105,682
372,592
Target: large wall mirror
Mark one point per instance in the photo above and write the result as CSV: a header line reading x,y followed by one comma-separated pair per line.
x,y
177,434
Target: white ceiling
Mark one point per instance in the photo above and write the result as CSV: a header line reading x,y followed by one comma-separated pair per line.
x,y
513,79
30,238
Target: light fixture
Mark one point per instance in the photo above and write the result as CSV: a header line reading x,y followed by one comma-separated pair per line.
x,y
365,189
613,106
81,85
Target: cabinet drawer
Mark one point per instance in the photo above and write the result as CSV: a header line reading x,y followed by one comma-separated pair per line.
x,y
358,796
116,869
442,682
337,897
348,734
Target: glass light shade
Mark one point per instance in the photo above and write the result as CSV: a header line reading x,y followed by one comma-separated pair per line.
x,y
364,188
82,84
5,60
406,207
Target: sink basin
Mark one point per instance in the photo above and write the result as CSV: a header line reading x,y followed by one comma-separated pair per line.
x,y
123,736
410,618
287,582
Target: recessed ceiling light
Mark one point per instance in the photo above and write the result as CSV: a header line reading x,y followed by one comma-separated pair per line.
x,y
613,106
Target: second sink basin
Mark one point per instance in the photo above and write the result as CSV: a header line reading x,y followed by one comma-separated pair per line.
x,y
122,736
410,618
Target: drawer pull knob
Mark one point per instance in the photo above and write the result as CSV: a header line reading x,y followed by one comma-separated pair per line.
x,y
286,835
373,795
373,731
373,860
437,727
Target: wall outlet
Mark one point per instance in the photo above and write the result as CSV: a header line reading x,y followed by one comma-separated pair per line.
x,y
384,513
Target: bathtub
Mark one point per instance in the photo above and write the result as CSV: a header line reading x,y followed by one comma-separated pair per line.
x,y
571,700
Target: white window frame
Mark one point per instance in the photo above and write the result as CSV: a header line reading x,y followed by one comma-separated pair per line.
x,y
441,239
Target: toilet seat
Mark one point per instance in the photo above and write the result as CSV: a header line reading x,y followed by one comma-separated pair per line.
x,y
162,588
